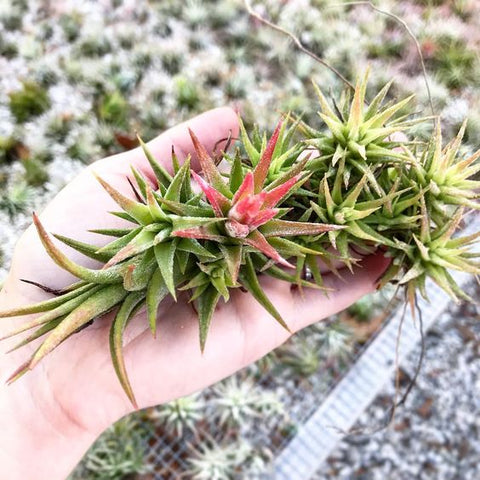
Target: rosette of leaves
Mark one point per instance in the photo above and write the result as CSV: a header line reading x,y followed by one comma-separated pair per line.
x,y
207,243
361,135
433,252
440,190
446,177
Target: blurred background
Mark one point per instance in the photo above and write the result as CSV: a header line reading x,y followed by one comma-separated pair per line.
x,y
79,78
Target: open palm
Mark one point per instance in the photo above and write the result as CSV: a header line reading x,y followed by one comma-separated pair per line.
x,y
77,382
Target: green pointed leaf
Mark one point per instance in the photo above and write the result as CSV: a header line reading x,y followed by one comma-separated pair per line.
x,y
116,245
182,223
175,188
377,101
382,118
413,272
88,250
281,274
156,292
165,254
157,213
175,162
206,304
201,278
323,102
232,254
112,232
46,305
184,210
248,278
136,210
365,232
221,287
355,117
193,246
182,259
42,330
110,275
141,182
62,309
125,216
141,242
140,271
236,174
334,126
286,228
252,152
163,177
124,315
96,305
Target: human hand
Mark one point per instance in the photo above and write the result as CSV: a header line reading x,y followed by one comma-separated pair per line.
x,y
74,391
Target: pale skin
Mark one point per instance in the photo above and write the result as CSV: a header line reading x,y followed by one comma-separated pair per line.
x,y
50,417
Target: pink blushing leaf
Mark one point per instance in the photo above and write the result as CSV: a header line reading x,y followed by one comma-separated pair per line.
x,y
219,203
207,164
200,233
247,209
263,217
261,170
258,241
274,196
246,188
236,229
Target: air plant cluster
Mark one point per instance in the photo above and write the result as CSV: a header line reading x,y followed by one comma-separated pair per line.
x,y
302,195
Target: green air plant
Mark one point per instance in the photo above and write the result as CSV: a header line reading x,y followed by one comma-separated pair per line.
x,y
332,192
119,453
301,357
180,414
17,199
239,399
214,461
31,101
455,63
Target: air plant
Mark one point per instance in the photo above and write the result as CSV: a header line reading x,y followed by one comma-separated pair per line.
x,y
180,414
335,341
301,357
186,93
119,452
214,461
285,201
17,199
239,399
28,102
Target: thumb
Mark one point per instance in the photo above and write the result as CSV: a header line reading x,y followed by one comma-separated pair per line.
x,y
212,129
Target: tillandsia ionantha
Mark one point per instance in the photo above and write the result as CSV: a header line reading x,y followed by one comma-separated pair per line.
x,y
332,192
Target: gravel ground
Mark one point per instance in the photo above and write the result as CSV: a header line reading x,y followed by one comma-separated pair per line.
x,y
435,435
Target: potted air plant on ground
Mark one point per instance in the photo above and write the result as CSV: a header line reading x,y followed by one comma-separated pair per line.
x,y
286,201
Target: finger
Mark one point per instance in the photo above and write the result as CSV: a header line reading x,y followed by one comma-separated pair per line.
x,y
310,305
301,308
212,128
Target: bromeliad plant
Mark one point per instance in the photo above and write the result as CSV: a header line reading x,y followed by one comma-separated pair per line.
x,y
282,205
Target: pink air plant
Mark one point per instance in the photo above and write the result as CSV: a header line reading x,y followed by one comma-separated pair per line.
x,y
250,210
251,206
247,211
